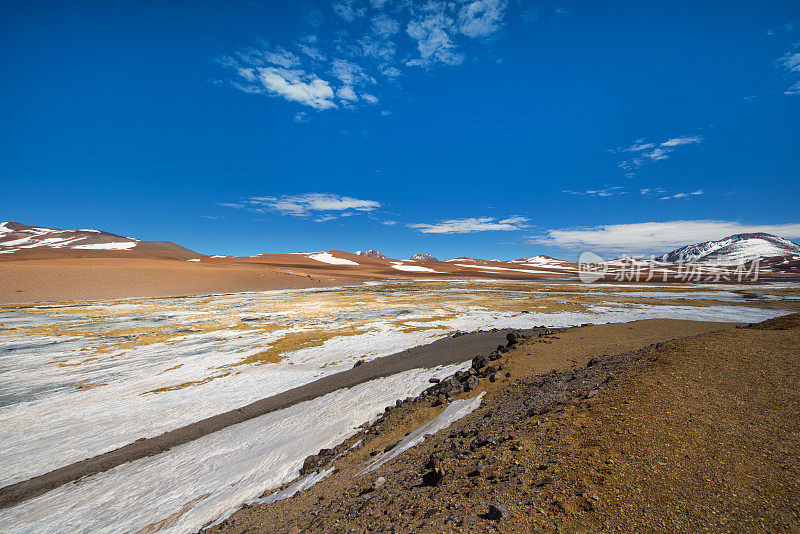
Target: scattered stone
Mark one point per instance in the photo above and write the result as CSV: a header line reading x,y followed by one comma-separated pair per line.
x,y
359,362
493,377
436,474
433,380
479,362
497,512
512,338
470,384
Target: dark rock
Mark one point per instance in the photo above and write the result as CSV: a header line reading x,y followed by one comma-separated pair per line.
x,y
470,384
436,474
497,512
479,362
434,380
309,464
359,362
493,377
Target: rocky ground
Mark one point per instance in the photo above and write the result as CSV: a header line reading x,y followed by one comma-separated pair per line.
x,y
698,433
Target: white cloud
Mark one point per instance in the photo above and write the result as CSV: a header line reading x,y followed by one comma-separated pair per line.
x,y
349,10
431,32
358,45
346,93
389,223
683,195
308,203
384,25
297,86
791,63
649,152
471,225
655,237
311,52
516,219
606,192
678,141
481,17
350,73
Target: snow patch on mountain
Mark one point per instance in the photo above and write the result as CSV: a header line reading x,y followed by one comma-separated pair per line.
x,y
733,250
371,253
16,236
423,257
327,257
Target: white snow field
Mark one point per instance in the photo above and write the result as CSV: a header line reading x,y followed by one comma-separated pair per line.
x,y
327,257
79,379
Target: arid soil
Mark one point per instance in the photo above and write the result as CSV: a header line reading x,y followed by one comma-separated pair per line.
x,y
602,428
163,269
26,281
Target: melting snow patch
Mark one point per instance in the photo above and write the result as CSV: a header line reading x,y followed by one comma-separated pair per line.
x,y
120,245
326,257
455,411
502,269
412,268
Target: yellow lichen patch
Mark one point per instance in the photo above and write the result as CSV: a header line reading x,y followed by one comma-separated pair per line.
x,y
295,341
185,384
411,329
172,368
85,386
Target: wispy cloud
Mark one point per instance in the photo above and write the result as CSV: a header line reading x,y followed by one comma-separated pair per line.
x,y
791,64
646,152
683,195
654,237
324,206
605,192
618,190
472,225
362,44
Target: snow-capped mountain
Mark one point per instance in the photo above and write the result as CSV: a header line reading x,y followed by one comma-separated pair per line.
x,y
423,257
733,250
17,236
371,254
20,241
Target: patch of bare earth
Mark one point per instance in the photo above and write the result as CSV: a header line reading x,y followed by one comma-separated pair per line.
x,y
696,434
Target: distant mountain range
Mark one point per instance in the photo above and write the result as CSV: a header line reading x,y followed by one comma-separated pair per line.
x,y
33,242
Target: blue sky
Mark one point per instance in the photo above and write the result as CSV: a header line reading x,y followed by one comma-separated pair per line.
x,y
489,128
